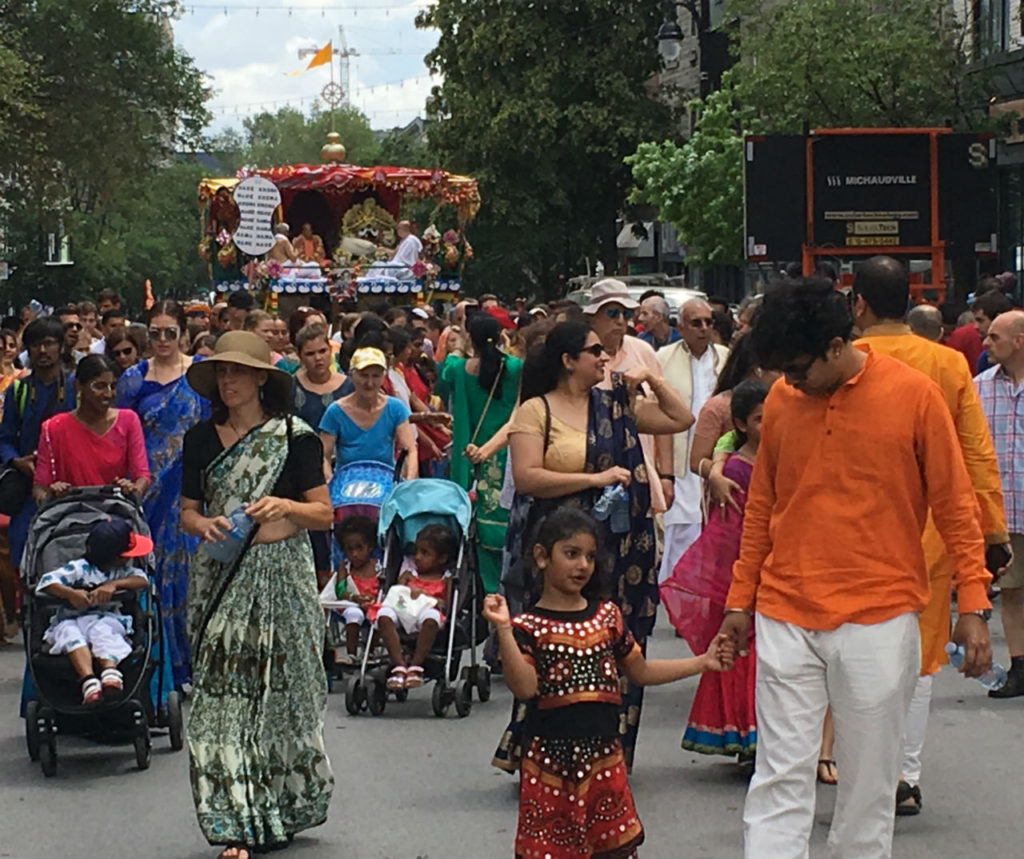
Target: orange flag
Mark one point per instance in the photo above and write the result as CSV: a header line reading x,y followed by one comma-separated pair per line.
x,y
320,58
150,301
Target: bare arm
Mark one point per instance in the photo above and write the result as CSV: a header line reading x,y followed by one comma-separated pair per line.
x,y
312,512
406,441
667,414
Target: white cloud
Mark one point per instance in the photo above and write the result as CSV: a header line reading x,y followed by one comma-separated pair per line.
x,y
246,56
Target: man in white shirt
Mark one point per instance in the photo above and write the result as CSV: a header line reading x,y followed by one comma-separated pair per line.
x,y
407,252
691,365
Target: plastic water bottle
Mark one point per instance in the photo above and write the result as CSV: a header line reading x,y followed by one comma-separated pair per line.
x,y
614,504
227,549
993,679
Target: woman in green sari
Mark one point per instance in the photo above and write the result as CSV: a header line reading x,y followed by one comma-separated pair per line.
x,y
255,734
483,392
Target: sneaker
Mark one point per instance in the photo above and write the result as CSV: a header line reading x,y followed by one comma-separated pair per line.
x,y
1012,688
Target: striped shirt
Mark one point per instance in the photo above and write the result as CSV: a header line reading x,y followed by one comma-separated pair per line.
x,y
1003,404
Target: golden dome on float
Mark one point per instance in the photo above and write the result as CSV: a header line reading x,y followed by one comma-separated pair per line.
x,y
333,149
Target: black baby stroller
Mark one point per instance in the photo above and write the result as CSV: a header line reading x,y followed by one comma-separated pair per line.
x,y
57,536
408,508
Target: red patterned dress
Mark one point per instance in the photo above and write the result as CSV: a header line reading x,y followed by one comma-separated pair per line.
x,y
574,798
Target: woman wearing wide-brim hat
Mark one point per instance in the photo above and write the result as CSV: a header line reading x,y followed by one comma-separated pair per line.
x,y
255,623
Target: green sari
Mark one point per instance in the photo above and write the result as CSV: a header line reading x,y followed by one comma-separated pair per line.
x,y
258,766
469,408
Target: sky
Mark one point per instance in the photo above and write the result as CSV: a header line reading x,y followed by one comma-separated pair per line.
x,y
247,52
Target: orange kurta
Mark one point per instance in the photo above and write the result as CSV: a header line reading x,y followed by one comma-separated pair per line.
x,y
947,368
839,497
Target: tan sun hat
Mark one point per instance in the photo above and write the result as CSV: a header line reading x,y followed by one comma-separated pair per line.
x,y
239,347
608,291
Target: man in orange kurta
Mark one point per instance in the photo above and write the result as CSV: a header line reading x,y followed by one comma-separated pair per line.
x,y
882,291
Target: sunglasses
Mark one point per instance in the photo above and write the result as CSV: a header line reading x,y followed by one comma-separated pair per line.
x,y
616,312
596,350
798,371
128,350
171,332
701,322
74,326
101,387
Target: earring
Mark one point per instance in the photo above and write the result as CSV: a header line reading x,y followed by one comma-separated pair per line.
x,y
261,393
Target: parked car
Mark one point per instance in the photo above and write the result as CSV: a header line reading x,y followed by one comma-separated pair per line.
x,y
676,296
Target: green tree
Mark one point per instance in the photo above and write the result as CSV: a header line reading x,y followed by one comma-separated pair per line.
x,y
97,99
807,64
541,102
293,137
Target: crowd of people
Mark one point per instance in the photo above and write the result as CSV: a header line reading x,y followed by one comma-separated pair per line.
x,y
809,565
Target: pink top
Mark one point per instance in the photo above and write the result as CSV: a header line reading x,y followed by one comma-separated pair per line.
x,y
715,418
70,452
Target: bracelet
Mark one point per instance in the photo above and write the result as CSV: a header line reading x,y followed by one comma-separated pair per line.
x,y
738,611
700,468
500,627
664,476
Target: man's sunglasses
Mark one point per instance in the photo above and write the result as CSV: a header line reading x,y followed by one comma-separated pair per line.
x,y
616,312
73,326
702,322
798,371
171,332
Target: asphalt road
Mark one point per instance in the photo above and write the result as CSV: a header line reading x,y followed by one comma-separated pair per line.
x,y
411,786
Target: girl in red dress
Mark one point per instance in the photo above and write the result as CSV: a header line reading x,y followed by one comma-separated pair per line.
x,y
564,655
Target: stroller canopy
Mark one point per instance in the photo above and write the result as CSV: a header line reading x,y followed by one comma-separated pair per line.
x,y
416,503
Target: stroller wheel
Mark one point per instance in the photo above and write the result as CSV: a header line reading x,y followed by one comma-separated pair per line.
x,y
354,696
464,698
175,725
143,749
440,699
48,748
401,695
482,681
377,698
32,729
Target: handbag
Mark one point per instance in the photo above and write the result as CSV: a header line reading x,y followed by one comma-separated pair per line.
x,y
15,489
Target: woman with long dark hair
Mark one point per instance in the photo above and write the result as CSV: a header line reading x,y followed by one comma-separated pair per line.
x,y
157,391
569,442
482,392
258,766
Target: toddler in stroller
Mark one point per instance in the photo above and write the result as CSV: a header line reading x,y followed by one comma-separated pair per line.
x,y
357,582
92,629
418,602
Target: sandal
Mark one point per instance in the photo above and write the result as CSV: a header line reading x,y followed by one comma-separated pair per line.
x,y
908,799
112,682
238,851
92,689
831,773
414,678
398,679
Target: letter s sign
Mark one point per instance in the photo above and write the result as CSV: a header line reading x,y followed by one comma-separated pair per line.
x,y
977,155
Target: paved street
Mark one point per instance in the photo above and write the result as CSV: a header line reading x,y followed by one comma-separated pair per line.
x,y
410,786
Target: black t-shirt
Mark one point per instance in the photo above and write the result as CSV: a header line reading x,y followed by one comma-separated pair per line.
x,y
303,469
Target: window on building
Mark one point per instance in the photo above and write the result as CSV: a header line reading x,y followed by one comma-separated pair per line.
x,y
991,26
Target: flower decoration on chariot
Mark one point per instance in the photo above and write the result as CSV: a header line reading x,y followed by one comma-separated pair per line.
x,y
369,220
451,237
273,268
223,237
419,268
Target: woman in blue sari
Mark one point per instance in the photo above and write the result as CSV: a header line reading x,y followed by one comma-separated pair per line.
x,y
167,406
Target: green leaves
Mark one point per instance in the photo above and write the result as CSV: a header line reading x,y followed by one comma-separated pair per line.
x,y
807,64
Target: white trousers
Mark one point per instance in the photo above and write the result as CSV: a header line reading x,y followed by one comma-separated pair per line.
x,y
867,674
678,538
411,624
917,727
104,636
350,613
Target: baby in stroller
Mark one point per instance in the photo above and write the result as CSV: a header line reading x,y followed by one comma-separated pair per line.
x,y
358,577
92,628
418,602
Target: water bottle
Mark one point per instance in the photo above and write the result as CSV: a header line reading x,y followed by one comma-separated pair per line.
x,y
227,550
613,503
992,679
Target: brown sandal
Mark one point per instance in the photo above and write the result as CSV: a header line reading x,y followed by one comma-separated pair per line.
x,y
830,767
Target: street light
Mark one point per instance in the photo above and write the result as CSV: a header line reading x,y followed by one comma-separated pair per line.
x,y
670,39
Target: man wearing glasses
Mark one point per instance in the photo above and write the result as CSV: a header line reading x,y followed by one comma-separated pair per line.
x,y
46,391
690,365
609,313
856,447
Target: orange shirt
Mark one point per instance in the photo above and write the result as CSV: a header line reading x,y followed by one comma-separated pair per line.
x,y
839,496
948,369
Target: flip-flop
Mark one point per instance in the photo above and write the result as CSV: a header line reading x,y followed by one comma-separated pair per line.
x,y
830,766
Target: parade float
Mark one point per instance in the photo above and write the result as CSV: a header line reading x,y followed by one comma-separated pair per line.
x,y
352,213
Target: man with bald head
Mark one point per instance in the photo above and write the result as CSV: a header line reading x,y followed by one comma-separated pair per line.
x,y
654,316
1001,389
926,321
690,365
881,289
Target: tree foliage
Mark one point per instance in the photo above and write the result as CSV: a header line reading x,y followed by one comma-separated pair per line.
x,y
293,137
541,102
807,64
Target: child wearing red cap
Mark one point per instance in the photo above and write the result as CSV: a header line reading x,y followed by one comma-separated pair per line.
x,y
92,629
